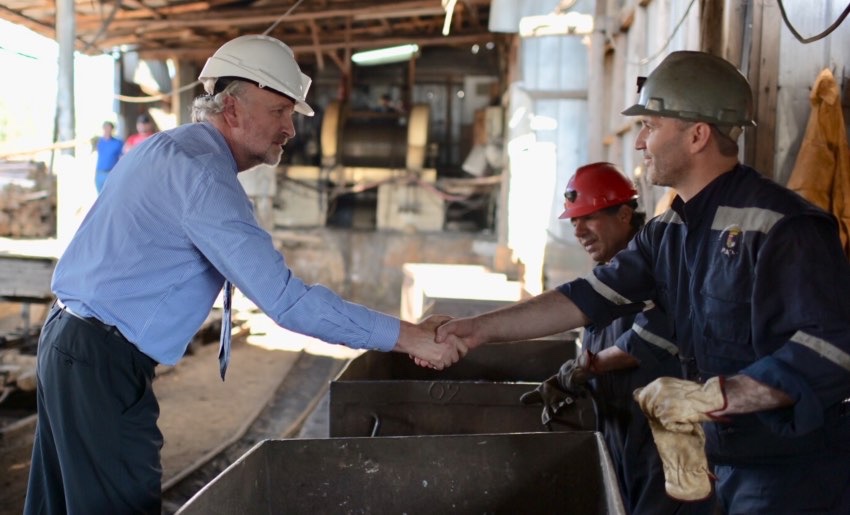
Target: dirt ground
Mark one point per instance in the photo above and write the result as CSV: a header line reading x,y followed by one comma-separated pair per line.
x,y
200,414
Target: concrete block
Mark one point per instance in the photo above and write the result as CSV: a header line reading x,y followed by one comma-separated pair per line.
x,y
456,290
409,206
300,204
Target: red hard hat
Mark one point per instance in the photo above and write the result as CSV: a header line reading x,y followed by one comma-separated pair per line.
x,y
594,187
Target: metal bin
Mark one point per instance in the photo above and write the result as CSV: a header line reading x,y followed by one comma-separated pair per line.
x,y
387,394
531,473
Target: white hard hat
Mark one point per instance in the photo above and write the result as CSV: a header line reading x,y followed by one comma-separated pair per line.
x,y
261,59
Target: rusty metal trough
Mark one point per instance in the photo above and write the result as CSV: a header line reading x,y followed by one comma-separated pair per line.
x,y
386,394
558,472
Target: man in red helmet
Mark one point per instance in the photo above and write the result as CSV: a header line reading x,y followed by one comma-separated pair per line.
x,y
601,203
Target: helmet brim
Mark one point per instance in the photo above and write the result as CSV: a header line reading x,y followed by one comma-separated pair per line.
x,y
636,110
304,108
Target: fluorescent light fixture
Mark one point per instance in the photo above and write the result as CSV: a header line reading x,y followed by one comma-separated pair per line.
x,y
556,25
449,6
387,55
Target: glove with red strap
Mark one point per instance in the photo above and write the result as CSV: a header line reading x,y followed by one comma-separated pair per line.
x,y
678,403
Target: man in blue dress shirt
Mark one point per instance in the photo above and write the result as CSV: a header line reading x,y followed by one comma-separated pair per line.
x,y
141,275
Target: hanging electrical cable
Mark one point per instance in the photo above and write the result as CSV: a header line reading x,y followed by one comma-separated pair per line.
x,y
651,58
812,39
282,16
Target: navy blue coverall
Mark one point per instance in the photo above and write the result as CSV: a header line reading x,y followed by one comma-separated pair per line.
x,y
622,423
756,283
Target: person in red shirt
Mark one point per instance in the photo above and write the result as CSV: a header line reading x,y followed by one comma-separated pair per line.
x,y
145,128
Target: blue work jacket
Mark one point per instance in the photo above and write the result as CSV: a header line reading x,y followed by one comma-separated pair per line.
x,y
624,427
755,282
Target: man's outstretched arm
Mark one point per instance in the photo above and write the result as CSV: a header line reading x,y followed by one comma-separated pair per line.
x,y
545,314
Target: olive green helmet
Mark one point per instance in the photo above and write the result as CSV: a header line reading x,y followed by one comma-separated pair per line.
x,y
699,87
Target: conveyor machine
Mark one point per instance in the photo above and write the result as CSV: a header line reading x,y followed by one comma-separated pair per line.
x,y
363,151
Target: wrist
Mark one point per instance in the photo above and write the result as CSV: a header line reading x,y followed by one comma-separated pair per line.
x,y
717,387
613,359
588,362
406,335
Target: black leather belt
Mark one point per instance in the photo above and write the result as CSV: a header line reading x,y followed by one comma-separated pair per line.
x,y
89,320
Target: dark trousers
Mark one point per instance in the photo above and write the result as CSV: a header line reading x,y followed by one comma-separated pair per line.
x,y
817,485
97,444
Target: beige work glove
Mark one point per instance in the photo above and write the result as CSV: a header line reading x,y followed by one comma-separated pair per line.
x,y
678,404
686,473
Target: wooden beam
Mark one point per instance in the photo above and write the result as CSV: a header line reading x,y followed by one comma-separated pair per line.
x,y
348,46
142,6
147,38
86,22
30,23
264,16
314,33
338,61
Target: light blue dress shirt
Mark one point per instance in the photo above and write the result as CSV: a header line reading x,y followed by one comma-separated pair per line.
x,y
172,222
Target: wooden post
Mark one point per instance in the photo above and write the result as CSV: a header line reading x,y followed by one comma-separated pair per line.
x,y
734,21
66,34
711,26
407,95
763,75
597,91
185,73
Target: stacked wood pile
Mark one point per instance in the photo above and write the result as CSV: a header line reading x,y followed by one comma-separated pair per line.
x,y
27,200
17,372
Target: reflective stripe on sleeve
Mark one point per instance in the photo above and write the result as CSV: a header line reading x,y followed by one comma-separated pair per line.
x,y
656,340
670,217
823,348
747,218
606,291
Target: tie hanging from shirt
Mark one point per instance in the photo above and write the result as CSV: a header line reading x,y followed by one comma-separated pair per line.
x,y
224,346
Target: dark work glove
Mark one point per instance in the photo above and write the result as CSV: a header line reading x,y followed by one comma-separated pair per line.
x,y
560,390
574,373
551,396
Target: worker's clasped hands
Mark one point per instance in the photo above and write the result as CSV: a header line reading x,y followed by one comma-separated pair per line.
x,y
442,341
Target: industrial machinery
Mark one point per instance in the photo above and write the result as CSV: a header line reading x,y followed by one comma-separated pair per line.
x,y
378,156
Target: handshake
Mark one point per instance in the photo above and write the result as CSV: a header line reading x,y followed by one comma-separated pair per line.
x,y
419,341
438,341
